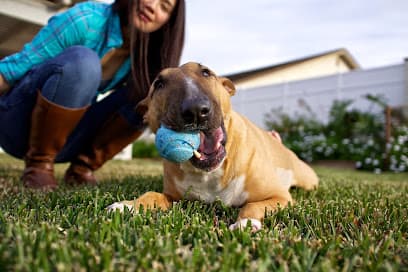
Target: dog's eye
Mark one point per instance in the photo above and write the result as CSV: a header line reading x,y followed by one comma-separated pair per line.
x,y
205,72
158,84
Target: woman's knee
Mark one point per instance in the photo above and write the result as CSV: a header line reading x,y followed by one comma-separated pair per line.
x,y
76,79
83,65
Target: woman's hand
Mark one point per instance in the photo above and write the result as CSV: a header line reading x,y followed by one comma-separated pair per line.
x,y
4,86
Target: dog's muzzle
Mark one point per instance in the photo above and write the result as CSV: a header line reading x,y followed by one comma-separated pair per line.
x,y
198,113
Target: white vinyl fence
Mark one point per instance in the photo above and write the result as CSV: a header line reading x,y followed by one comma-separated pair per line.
x,y
319,93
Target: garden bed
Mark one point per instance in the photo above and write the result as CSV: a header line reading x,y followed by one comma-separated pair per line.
x,y
339,164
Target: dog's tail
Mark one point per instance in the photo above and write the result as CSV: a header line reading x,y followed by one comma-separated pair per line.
x,y
304,176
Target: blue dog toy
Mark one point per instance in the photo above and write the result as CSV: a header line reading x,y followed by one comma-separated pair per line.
x,y
176,146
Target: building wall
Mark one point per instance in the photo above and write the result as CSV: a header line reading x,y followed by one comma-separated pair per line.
x,y
319,93
322,66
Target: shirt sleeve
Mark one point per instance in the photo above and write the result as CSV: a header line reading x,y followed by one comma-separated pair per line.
x,y
63,30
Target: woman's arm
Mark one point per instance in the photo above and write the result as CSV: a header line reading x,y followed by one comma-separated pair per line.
x,y
62,30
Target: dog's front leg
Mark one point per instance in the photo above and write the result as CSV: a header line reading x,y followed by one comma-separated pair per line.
x,y
149,200
255,212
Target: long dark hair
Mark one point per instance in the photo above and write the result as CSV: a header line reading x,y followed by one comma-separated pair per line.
x,y
152,52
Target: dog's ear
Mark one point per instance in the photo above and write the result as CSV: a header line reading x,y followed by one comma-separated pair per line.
x,y
228,85
142,107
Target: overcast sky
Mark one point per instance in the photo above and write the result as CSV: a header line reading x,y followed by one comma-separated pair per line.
x,y
237,35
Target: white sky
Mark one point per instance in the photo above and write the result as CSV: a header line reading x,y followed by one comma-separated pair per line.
x,y
235,35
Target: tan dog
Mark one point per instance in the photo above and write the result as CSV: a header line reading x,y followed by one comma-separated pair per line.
x,y
239,163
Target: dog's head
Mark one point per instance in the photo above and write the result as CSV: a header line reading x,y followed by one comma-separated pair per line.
x,y
192,98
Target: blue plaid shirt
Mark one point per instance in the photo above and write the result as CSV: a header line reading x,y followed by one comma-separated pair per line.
x,y
90,24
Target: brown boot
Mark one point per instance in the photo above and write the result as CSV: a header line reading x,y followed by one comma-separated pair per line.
x,y
50,126
114,135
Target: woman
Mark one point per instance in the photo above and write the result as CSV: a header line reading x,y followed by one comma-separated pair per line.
x,y
48,107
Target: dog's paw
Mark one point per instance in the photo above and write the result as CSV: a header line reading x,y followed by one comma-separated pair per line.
x,y
255,224
119,206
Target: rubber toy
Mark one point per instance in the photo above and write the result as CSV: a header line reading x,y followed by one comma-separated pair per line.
x,y
176,146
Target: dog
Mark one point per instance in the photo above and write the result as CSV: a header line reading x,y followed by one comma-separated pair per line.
x,y
237,162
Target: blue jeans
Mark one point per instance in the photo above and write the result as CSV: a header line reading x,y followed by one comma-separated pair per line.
x,y
71,79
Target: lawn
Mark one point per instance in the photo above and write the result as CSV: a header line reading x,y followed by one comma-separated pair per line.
x,y
355,221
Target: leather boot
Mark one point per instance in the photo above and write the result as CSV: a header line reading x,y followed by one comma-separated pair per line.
x,y
50,126
115,134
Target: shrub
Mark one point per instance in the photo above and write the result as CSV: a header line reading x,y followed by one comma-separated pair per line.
x,y
142,149
349,134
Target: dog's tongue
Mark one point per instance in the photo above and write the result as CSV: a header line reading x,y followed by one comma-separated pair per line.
x,y
211,141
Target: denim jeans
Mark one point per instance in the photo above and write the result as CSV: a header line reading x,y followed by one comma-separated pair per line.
x,y
71,79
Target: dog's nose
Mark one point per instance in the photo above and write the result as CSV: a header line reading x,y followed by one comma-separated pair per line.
x,y
196,111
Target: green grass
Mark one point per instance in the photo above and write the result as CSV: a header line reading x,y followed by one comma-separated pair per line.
x,y
355,221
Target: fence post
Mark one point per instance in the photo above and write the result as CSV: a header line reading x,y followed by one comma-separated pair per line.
x,y
339,87
405,106
285,94
387,112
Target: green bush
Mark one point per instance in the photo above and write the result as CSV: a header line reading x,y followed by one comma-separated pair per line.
x,y
143,149
349,134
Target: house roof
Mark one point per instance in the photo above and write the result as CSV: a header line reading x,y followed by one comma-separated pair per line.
x,y
341,52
